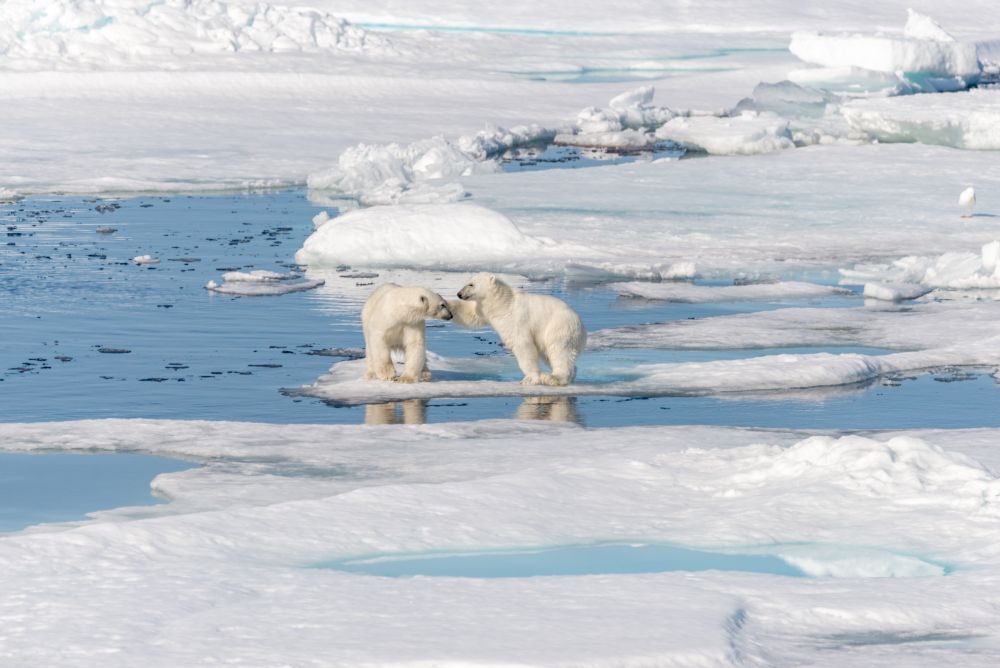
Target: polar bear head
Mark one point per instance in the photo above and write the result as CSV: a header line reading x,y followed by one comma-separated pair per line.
x,y
480,287
433,305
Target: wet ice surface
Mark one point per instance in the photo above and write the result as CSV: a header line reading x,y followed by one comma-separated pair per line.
x,y
92,334
55,487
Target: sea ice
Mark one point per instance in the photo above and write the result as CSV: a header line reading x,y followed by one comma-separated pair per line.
x,y
969,120
895,292
927,56
747,133
261,282
953,270
453,236
700,294
264,508
145,259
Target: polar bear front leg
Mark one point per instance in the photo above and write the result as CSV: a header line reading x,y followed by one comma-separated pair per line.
x,y
527,360
415,365
378,361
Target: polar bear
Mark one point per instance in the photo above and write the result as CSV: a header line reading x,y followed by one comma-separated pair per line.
x,y
531,326
393,319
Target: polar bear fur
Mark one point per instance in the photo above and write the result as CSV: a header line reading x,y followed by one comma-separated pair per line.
x,y
531,326
393,319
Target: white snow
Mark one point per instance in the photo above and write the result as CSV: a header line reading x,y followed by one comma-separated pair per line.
x,y
746,134
697,294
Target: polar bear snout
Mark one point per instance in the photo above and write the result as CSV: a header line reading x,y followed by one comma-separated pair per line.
x,y
444,313
465,293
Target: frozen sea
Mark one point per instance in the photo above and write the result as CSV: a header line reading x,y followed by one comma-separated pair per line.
x,y
783,443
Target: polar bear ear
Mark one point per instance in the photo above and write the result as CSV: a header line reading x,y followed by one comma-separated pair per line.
x,y
423,300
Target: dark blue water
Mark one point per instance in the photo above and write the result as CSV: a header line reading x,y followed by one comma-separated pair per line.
x,y
573,560
39,488
70,292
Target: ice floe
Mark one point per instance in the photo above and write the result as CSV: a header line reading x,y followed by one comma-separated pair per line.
x,y
954,270
144,259
744,134
262,282
895,292
928,57
429,236
969,120
700,294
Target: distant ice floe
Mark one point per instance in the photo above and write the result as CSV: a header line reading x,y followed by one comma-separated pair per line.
x,y
700,294
145,259
261,282
924,56
957,271
427,236
967,120
8,196
396,174
110,32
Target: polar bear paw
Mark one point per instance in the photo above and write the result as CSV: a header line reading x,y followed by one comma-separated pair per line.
x,y
407,378
533,379
554,380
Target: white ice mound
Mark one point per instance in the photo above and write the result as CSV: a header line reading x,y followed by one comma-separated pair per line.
x,y
925,54
425,236
395,174
969,120
260,283
115,31
895,292
697,294
959,271
145,259
746,134
626,124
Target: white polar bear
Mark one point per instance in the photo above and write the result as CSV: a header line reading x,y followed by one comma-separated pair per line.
x,y
393,319
531,326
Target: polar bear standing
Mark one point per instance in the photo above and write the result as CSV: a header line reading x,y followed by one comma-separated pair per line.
x,y
531,326
393,319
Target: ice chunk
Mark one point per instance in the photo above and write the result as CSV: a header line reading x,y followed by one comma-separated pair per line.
x,y
748,133
787,99
895,292
251,288
696,294
145,259
393,174
921,26
622,140
969,120
626,124
320,219
258,276
883,53
961,271
456,236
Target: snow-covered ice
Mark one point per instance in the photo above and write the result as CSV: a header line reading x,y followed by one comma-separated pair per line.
x,y
262,282
690,293
228,559
745,134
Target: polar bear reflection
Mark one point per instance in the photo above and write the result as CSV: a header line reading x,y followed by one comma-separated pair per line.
x,y
414,411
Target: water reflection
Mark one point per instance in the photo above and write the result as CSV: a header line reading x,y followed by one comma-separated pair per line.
x,y
411,411
558,409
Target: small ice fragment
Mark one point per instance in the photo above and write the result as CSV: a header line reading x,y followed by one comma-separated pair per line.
x,y
106,230
144,259
894,292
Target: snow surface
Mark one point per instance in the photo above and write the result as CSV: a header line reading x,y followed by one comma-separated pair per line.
x,y
700,294
227,560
